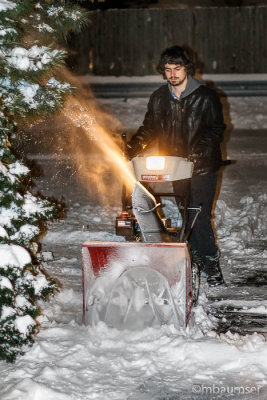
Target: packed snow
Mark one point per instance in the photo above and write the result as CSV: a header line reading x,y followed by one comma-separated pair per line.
x,y
34,59
7,5
13,255
5,283
24,323
71,361
17,168
29,91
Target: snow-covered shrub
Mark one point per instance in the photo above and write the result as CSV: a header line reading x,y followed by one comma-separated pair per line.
x,y
29,89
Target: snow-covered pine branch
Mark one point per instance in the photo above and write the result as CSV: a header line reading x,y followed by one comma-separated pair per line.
x,y
29,88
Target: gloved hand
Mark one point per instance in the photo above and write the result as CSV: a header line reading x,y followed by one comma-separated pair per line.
x,y
199,152
132,149
200,157
197,158
193,157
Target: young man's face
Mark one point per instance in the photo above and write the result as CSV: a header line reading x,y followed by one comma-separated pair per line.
x,y
175,73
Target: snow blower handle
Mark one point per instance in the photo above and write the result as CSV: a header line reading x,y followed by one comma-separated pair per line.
x,y
124,192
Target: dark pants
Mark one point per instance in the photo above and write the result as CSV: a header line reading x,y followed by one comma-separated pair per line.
x,y
202,239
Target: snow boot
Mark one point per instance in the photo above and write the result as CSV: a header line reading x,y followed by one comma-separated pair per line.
x,y
213,271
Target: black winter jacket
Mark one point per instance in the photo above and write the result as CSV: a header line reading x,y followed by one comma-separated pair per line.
x,y
191,127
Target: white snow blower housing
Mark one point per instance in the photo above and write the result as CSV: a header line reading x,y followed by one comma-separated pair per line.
x,y
147,280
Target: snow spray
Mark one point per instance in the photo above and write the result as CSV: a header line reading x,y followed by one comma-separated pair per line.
x,y
97,150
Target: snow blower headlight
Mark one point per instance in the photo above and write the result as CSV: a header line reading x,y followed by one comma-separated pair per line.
x,y
155,162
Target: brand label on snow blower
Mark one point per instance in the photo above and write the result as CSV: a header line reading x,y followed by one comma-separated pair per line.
x,y
121,223
155,177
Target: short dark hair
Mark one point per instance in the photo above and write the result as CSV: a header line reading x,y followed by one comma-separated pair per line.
x,y
175,55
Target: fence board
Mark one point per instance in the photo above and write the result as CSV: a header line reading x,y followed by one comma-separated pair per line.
x,y
226,39
260,44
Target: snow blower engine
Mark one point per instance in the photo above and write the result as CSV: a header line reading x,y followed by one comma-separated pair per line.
x,y
148,279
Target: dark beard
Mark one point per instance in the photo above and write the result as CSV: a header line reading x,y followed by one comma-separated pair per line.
x,y
177,84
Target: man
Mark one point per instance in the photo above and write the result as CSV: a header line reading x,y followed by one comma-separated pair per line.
x,y
185,117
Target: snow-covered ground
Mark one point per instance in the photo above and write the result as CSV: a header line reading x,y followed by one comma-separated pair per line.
x,y
72,361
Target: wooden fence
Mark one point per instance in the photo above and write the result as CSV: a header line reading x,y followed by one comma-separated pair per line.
x,y
129,42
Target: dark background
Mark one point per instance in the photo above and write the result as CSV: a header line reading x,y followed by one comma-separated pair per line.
x,y
106,4
126,37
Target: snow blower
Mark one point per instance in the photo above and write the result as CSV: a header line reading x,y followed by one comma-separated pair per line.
x,y
149,281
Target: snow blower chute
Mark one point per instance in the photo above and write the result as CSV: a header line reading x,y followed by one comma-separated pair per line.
x,y
133,285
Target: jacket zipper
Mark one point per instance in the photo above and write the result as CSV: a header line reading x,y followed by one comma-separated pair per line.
x,y
180,110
